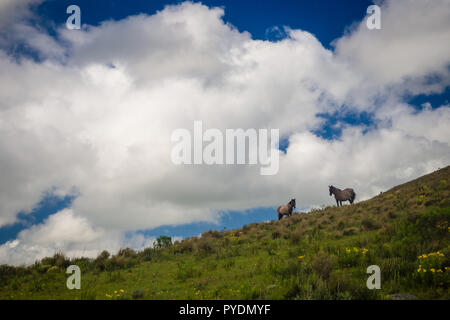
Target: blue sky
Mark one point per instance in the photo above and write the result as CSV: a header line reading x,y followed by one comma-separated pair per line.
x,y
327,20
265,20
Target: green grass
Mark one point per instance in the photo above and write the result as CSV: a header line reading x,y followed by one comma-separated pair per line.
x,y
320,255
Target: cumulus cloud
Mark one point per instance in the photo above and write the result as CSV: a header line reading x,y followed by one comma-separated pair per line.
x,y
66,232
410,50
19,31
14,11
95,115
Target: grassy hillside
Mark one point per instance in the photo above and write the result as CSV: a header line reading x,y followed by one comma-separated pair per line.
x,y
320,255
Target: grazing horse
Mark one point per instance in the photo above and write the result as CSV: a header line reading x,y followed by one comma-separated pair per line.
x,y
342,195
286,210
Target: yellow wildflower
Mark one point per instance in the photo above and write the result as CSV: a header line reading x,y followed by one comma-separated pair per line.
x,y
121,290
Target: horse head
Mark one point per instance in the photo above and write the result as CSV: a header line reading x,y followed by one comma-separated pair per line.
x,y
330,188
292,203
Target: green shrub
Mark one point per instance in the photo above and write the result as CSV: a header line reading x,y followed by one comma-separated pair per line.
x,y
103,255
83,263
101,261
352,256
58,260
88,294
53,269
115,263
7,272
369,224
213,234
287,270
138,294
315,288
276,234
184,246
228,264
204,246
322,264
350,231
147,254
61,261
297,235
401,203
419,230
115,276
127,253
293,291
186,271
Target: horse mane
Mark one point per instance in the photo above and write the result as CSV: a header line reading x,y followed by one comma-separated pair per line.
x,y
335,188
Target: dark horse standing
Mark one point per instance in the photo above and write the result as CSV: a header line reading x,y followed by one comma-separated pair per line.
x,y
286,210
342,195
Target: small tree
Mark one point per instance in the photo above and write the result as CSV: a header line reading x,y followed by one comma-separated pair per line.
x,y
162,242
104,255
101,260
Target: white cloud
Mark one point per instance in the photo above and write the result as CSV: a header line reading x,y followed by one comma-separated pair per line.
x,y
18,30
411,45
12,11
66,232
96,116
428,123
